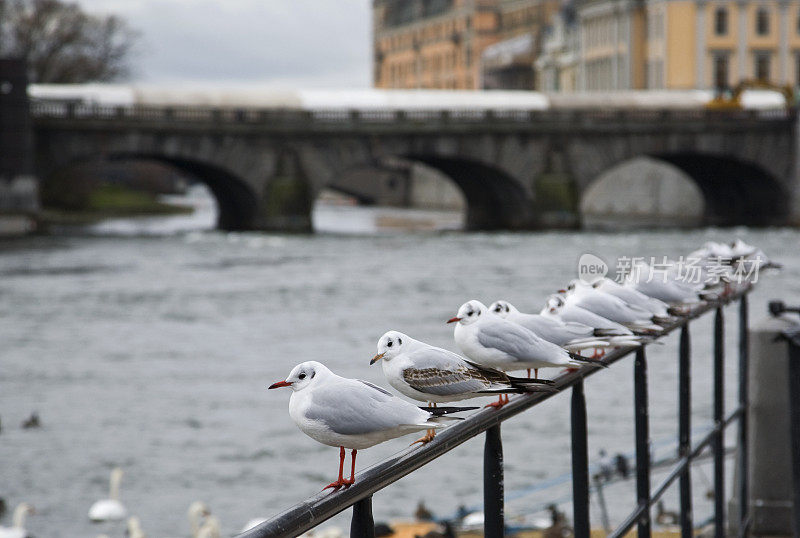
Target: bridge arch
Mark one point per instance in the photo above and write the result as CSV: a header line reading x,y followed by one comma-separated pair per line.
x,y
733,191
237,202
495,200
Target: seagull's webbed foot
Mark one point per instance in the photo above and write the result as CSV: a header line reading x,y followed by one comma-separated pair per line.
x,y
425,439
501,401
338,484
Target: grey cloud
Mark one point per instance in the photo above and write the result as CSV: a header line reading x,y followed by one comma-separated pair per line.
x,y
309,42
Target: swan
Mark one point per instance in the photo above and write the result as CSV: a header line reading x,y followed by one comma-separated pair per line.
x,y
17,530
135,528
110,509
210,528
197,511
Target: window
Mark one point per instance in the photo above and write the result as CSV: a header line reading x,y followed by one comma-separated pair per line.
x,y
721,21
762,66
797,70
720,71
762,21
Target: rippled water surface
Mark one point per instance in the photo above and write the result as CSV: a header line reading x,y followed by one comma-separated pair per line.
x,y
154,353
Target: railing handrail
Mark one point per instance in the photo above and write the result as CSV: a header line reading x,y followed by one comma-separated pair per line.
x,y
189,114
324,505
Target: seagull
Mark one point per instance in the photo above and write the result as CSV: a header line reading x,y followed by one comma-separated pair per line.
x,y
633,297
557,307
492,341
17,529
109,509
432,374
653,284
611,307
570,335
350,413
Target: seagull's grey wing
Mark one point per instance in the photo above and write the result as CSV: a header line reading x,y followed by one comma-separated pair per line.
x,y
356,407
439,372
512,339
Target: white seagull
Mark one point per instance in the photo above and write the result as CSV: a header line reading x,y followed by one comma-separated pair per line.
x,y
653,284
17,528
492,341
432,374
350,413
557,307
634,297
637,319
110,509
570,335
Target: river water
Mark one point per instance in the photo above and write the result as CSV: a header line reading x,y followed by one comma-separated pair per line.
x,y
149,346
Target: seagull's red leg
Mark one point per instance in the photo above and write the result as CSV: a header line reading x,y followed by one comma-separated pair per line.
x,y
348,483
339,483
535,373
429,434
498,404
529,373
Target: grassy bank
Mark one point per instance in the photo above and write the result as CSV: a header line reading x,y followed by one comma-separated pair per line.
x,y
112,201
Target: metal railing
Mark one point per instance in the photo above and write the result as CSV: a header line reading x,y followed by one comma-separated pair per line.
x,y
317,509
792,336
52,110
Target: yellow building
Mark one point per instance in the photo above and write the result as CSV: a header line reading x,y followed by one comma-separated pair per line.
x,y
685,44
431,43
440,43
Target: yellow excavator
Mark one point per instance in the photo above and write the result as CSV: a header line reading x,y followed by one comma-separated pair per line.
x,y
733,100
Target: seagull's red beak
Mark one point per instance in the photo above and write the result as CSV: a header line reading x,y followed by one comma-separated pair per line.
x,y
280,384
453,320
562,291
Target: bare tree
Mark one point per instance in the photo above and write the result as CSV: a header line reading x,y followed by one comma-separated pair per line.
x,y
62,44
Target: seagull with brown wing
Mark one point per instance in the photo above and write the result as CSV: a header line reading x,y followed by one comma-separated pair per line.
x,y
432,374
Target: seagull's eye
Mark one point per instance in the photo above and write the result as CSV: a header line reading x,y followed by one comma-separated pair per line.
x,y
399,342
389,343
302,376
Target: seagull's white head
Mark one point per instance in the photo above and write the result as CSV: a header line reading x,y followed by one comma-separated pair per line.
x,y
470,312
303,375
390,345
554,303
502,308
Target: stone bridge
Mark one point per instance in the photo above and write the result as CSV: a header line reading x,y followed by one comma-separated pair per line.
x,y
266,166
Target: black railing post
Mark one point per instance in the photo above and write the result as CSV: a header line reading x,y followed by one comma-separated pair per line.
x,y
642,441
684,430
744,494
362,525
719,416
493,523
794,421
580,462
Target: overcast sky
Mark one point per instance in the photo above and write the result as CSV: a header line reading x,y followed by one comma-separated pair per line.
x,y
285,43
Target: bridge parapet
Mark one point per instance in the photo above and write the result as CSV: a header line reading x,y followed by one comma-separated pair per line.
x,y
521,120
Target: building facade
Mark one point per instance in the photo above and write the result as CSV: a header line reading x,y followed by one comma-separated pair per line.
x,y
431,43
687,44
442,44
557,63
